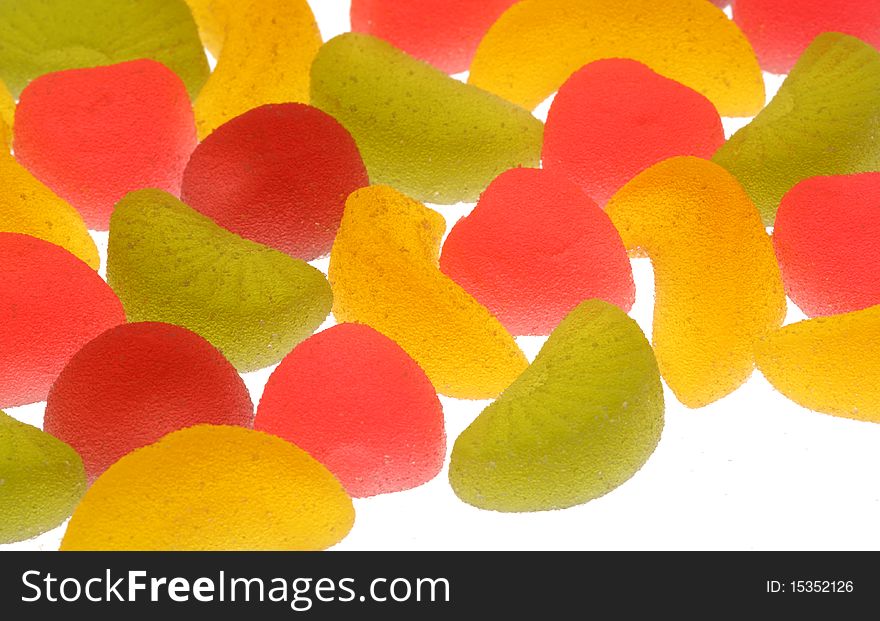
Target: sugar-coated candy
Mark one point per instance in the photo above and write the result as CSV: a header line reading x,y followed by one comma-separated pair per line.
x,y
278,175
823,121
444,33
136,383
44,36
356,402
828,364
537,44
718,288
212,488
533,248
93,135
384,273
41,480
419,130
582,420
51,304
614,118
7,117
169,263
212,18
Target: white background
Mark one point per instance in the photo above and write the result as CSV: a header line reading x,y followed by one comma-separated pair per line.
x,y
753,471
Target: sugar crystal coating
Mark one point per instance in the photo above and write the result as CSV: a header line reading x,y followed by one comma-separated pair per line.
x,y
7,116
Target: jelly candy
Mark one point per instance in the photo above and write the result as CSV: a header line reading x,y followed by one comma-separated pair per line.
x,y
44,36
582,420
444,33
278,175
534,247
212,488
718,288
419,130
41,480
357,403
384,273
171,264
537,44
7,116
782,29
212,18
829,364
822,122
614,118
136,383
51,304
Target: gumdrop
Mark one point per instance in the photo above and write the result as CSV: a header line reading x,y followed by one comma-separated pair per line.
x,y
419,130
534,248
582,420
444,33
718,288
44,36
213,488
614,118
7,116
278,175
537,44
41,480
51,304
93,135
829,364
355,401
822,122
384,272
136,383
170,264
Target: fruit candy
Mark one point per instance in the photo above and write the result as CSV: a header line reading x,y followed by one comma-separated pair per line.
x,y
537,44
171,264
41,480
51,304
278,175
384,273
582,420
212,18
829,364
357,403
44,36
444,33
614,118
534,247
782,29
822,122
136,383
212,488
7,117
718,288
419,130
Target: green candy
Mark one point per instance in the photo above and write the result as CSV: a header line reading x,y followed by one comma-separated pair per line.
x,y
42,36
825,120
418,130
41,481
168,263
580,421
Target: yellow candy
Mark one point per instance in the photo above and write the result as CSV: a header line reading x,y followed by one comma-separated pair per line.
x,y
718,287
537,44
29,207
211,17
829,364
213,488
384,273
265,58
7,114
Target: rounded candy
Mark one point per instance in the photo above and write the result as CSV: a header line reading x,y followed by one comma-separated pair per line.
x,y
7,116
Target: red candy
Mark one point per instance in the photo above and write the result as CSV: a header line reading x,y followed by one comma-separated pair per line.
x,y
827,240
780,30
355,401
51,304
93,135
136,383
535,247
278,175
444,33
614,118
